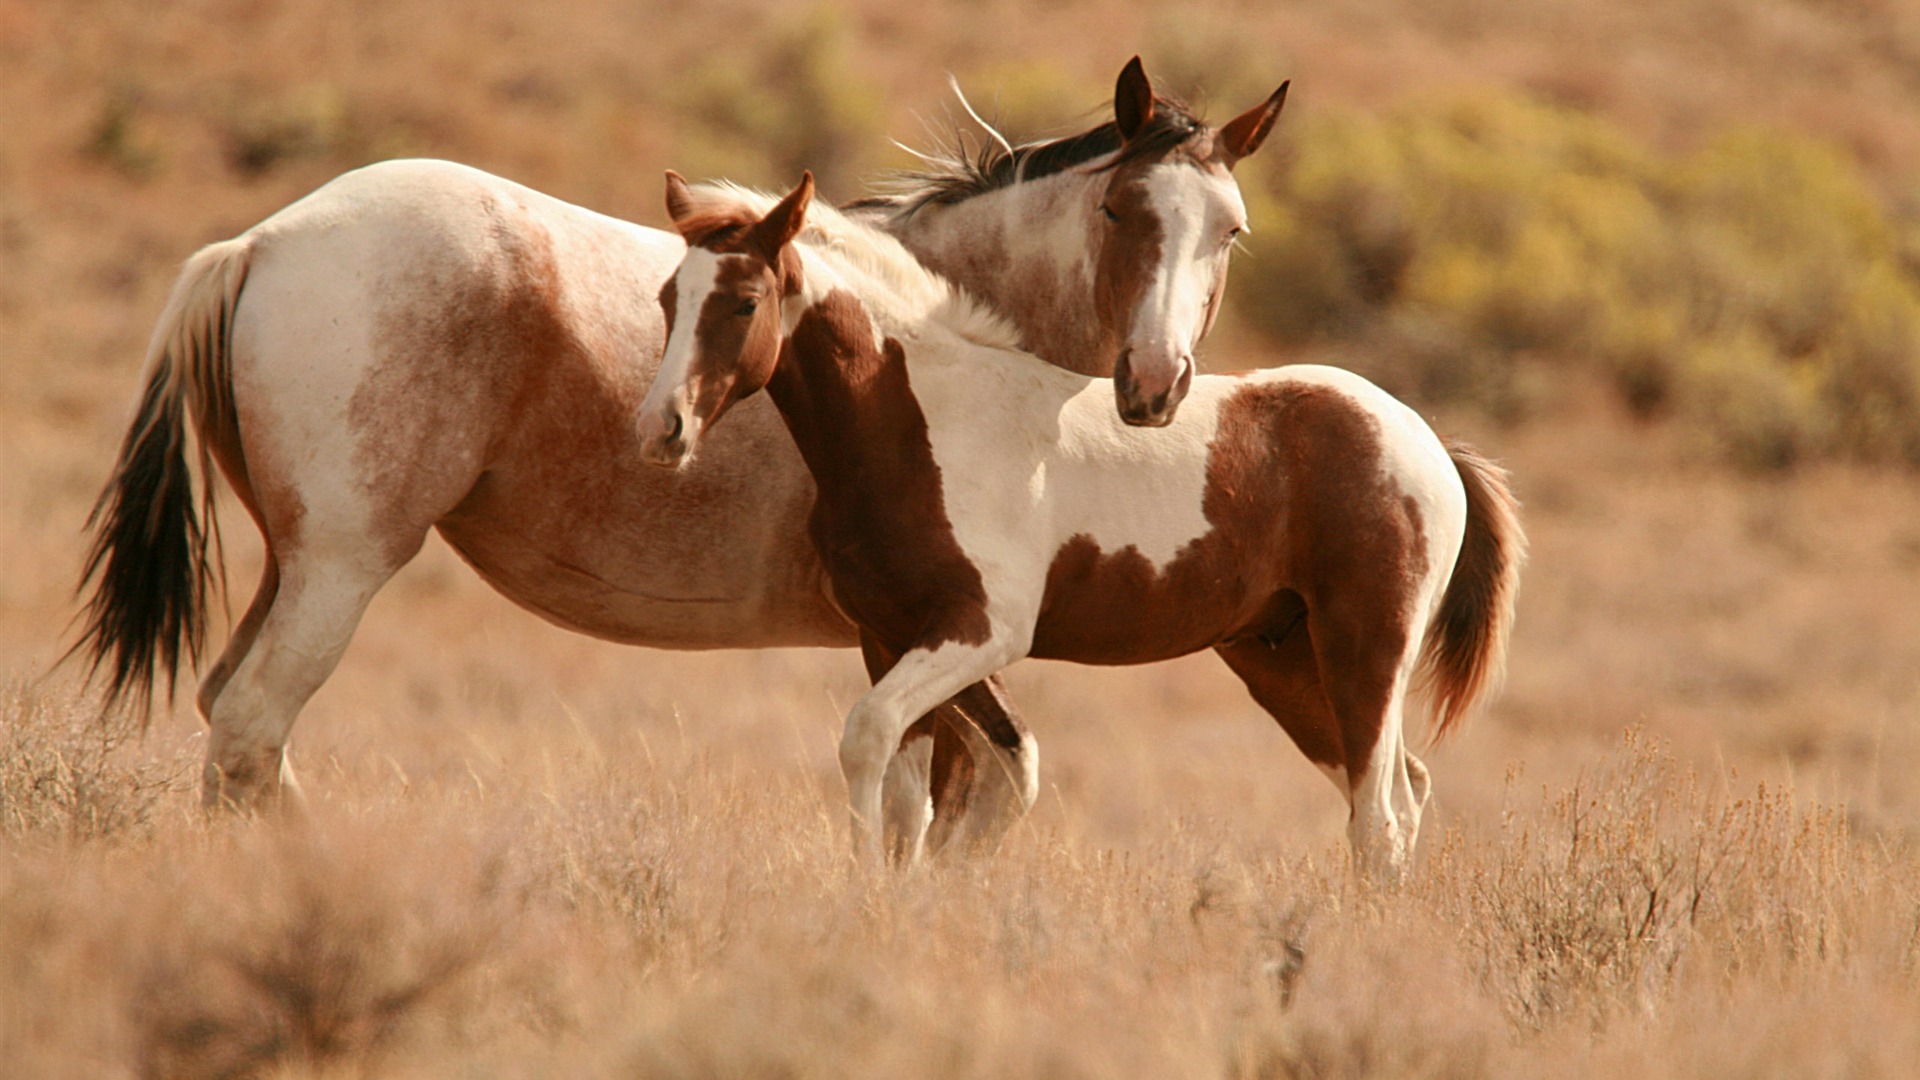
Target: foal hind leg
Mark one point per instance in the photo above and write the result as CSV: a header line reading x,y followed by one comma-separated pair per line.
x,y
1284,677
1366,667
302,630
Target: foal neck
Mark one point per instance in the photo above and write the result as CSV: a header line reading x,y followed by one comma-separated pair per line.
x,y
841,386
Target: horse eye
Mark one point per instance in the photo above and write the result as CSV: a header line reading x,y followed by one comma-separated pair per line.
x,y
748,306
1108,210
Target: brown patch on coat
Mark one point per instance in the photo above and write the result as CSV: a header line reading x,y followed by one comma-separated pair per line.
x,y
1129,255
880,520
428,414
1302,522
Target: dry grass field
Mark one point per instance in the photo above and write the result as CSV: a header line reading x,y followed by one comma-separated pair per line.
x,y
1683,843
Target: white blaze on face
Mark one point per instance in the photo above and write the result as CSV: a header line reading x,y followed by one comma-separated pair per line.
x,y
1198,209
670,393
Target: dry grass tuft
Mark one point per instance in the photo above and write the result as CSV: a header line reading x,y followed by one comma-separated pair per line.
x,y
68,772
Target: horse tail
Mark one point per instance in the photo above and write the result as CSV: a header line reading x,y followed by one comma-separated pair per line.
x,y
1465,652
150,562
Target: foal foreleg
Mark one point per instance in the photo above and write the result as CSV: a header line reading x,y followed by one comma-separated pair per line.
x,y
986,769
921,680
968,769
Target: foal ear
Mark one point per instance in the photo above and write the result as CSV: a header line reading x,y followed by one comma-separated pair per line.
x,y
784,221
1132,99
679,197
1244,133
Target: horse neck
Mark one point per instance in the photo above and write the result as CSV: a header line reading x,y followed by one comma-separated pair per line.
x,y
1024,250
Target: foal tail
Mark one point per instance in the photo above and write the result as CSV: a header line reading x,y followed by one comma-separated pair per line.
x,y
150,564
1465,653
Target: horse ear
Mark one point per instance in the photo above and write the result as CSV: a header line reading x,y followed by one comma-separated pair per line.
x,y
1244,133
679,197
1132,99
784,221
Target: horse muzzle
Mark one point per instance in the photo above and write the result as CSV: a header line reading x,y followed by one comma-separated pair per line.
x,y
1150,397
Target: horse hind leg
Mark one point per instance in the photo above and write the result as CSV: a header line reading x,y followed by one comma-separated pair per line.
x,y
242,638
301,628
1339,692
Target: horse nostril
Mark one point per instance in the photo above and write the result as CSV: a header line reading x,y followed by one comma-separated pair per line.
x,y
673,434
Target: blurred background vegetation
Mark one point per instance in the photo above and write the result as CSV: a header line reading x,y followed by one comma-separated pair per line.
x,y
1703,240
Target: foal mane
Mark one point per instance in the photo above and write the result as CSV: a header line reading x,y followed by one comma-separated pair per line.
x,y
956,173
901,293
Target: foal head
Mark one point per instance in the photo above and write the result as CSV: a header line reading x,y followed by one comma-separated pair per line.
x,y
723,316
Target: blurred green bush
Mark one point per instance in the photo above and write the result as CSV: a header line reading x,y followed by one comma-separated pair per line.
x,y
797,101
1758,287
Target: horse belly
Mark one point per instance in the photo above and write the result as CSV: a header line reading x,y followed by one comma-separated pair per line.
x,y
714,555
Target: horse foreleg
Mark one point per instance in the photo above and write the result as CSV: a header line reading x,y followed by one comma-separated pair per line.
x,y
907,794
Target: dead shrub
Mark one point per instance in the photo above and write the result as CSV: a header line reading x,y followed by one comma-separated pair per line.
x,y
1592,907
322,956
67,772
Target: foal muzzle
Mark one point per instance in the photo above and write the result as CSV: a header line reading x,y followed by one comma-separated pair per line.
x,y
664,438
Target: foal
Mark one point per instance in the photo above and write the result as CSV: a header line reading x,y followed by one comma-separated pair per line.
x,y
976,505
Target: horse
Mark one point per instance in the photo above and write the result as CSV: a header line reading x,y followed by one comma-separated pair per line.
x,y
418,345
977,505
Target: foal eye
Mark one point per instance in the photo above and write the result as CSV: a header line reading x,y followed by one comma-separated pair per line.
x,y
748,306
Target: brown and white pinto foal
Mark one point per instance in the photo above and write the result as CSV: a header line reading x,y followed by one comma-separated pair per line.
x,y
977,505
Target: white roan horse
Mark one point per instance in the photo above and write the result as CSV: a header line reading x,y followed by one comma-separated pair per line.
x,y
976,505
420,345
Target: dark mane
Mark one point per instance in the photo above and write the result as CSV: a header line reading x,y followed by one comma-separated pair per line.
x,y
959,176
